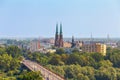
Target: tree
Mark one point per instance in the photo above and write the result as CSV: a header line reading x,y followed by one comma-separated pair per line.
x,y
2,50
82,77
56,60
14,51
114,56
64,57
30,76
70,72
38,57
60,51
97,57
80,59
73,59
76,50
106,74
105,63
8,63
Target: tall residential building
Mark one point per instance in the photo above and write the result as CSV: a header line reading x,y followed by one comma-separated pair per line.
x,y
35,45
58,37
94,47
101,48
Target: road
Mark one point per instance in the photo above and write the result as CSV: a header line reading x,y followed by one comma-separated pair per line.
x,y
47,74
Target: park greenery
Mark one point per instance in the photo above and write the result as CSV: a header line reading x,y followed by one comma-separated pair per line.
x,y
74,66
11,67
81,66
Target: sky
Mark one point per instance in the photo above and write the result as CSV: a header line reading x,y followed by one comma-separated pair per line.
x,y
79,18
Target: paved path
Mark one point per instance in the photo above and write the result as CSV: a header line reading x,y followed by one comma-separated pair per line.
x,y
48,75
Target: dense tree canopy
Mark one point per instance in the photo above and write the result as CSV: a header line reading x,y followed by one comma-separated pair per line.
x,y
83,66
74,66
14,51
30,76
11,67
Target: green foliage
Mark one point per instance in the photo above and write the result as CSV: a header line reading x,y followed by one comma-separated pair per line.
x,y
60,51
82,77
14,51
97,57
75,66
8,63
105,63
57,69
10,66
106,74
2,50
73,59
81,59
114,56
7,78
38,57
94,65
64,58
74,72
30,76
56,60
75,50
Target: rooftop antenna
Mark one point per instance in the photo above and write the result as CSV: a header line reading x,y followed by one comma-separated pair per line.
x,y
91,37
108,38
39,43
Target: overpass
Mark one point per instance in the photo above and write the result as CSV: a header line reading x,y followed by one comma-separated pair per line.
x,y
47,74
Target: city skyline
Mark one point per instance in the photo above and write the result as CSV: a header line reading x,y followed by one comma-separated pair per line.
x,y
28,18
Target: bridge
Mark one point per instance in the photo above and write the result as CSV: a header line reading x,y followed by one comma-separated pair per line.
x,y
47,74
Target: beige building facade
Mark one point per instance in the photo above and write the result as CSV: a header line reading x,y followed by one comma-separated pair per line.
x,y
94,47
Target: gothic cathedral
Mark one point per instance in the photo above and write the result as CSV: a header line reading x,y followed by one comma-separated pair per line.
x,y
58,37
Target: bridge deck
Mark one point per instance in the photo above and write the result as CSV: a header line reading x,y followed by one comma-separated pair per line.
x,y
47,74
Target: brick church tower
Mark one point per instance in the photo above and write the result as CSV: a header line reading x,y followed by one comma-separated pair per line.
x,y
59,37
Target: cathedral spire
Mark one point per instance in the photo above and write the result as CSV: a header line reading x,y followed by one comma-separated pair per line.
x,y
73,42
56,36
60,28
57,28
72,39
59,37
